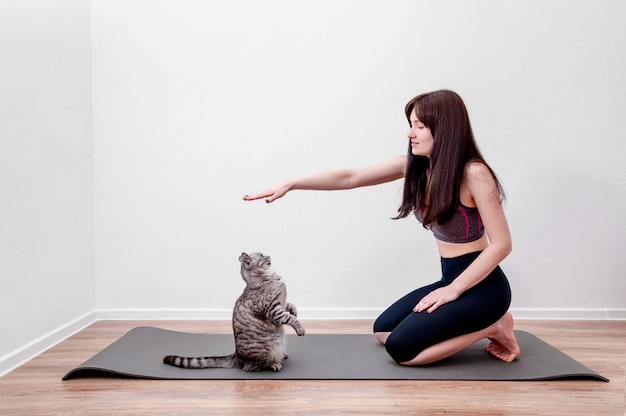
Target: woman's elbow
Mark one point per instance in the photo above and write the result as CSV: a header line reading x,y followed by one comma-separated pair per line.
x,y
506,248
502,246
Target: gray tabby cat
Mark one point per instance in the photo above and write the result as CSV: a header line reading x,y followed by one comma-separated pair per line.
x,y
258,319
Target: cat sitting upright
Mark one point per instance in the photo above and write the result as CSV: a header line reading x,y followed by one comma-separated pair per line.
x,y
258,318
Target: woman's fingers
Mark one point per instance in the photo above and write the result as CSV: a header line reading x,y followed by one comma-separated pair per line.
x,y
254,197
423,304
434,300
426,305
270,195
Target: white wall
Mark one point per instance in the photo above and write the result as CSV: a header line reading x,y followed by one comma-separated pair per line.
x,y
197,103
46,213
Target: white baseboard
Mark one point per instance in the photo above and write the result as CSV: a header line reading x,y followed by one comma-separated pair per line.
x,y
162,314
209,314
13,360
616,314
350,313
571,314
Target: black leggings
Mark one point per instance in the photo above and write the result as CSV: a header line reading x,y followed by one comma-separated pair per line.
x,y
476,309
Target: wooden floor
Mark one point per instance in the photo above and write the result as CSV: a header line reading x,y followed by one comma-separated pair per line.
x,y
36,387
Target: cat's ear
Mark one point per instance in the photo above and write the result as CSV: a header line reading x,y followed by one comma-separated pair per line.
x,y
244,258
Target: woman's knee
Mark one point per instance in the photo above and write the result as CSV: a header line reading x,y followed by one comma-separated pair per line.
x,y
399,349
382,325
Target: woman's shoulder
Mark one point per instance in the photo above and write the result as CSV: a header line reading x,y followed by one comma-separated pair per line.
x,y
478,177
477,170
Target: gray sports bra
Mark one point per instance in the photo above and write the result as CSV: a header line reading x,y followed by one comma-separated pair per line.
x,y
464,227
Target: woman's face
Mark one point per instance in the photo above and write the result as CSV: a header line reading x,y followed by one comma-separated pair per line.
x,y
421,139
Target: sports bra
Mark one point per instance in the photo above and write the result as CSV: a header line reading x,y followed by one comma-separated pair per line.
x,y
464,227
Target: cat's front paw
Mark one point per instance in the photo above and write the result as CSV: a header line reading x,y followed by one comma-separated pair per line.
x,y
299,330
291,308
276,367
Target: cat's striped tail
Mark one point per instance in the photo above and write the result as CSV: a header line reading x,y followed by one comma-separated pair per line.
x,y
228,361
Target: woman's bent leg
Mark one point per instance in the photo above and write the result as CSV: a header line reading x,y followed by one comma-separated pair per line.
x,y
503,344
481,312
398,311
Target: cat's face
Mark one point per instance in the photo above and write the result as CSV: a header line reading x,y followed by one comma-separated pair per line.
x,y
255,261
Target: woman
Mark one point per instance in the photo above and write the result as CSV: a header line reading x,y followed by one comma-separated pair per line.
x,y
450,189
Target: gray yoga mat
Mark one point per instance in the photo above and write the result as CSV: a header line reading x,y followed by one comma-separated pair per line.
x,y
139,354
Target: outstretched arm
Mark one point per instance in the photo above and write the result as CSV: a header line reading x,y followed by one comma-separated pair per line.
x,y
387,171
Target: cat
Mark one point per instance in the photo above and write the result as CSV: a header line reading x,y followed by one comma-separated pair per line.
x,y
258,318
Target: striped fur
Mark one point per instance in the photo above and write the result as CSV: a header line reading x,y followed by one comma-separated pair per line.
x,y
200,362
258,318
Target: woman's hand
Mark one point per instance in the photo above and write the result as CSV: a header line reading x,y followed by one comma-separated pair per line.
x,y
435,299
270,195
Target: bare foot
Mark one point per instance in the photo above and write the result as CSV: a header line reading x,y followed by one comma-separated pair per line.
x,y
503,343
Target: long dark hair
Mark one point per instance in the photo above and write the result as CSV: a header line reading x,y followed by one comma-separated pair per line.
x,y
432,185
